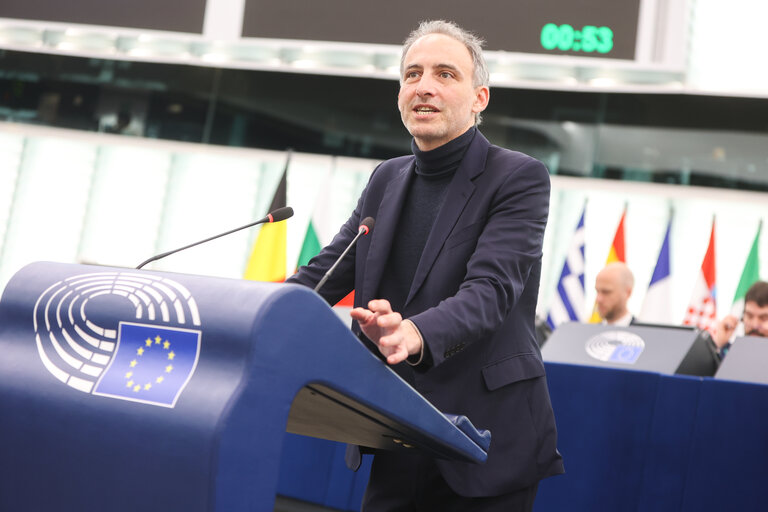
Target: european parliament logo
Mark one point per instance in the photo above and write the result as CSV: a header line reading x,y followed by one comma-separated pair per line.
x,y
151,364
616,347
120,335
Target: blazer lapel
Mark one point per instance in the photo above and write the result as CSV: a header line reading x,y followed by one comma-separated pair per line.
x,y
387,218
460,191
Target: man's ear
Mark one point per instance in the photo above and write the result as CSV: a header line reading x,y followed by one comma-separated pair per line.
x,y
482,97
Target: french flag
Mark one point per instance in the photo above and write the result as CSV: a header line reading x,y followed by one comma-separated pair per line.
x,y
657,303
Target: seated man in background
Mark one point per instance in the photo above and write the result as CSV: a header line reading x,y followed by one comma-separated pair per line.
x,y
614,286
754,318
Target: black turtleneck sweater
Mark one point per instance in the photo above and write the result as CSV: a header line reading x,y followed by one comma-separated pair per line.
x,y
429,185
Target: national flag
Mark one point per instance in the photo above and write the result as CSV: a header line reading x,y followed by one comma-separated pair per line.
x,y
657,303
749,275
317,235
268,260
568,303
616,253
310,246
702,309
152,364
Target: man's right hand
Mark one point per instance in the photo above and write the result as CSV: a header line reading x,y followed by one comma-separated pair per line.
x,y
724,329
396,339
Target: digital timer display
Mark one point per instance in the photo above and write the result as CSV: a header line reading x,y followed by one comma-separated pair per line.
x,y
594,29
588,39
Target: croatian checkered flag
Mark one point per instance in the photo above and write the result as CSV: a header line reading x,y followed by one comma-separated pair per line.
x,y
702,310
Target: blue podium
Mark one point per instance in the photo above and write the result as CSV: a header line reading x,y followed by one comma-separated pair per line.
x,y
129,390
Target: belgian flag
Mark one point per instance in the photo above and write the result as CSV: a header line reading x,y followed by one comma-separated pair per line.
x,y
268,258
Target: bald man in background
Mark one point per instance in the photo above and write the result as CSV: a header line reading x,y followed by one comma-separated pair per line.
x,y
614,286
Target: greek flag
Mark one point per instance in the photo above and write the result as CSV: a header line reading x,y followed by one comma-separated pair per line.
x,y
568,302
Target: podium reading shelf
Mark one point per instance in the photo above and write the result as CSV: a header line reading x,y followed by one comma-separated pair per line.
x,y
128,390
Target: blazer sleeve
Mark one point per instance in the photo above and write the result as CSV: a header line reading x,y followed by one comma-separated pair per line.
x,y
497,272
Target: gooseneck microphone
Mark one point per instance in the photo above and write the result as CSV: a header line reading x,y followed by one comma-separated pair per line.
x,y
278,215
365,227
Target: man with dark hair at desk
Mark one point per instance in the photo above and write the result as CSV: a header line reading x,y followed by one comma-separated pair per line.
x,y
614,285
754,318
447,282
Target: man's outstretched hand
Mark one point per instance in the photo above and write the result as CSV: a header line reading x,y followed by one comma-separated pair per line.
x,y
396,339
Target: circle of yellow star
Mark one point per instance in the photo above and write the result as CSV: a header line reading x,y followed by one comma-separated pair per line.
x,y
141,350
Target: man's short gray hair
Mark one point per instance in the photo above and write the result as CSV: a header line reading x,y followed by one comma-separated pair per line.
x,y
474,45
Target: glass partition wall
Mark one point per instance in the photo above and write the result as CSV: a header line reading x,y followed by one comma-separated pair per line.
x,y
109,162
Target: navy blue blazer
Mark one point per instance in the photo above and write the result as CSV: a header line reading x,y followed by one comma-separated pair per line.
x,y
473,298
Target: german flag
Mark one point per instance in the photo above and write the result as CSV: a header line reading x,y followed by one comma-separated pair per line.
x,y
268,257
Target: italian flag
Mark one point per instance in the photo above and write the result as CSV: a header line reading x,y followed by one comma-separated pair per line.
x,y
749,276
318,235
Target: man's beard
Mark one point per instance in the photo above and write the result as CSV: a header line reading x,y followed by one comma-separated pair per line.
x,y
755,332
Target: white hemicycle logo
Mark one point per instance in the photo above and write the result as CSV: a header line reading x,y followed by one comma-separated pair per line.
x,y
75,344
615,346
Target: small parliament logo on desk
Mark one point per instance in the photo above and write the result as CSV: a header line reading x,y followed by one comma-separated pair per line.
x,y
615,347
151,365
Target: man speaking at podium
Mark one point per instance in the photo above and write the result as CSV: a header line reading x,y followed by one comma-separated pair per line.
x,y
446,284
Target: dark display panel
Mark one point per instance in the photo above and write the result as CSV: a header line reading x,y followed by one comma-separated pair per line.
x,y
168,15
587,28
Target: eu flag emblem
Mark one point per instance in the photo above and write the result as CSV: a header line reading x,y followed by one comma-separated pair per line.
x,y
152,364
626,354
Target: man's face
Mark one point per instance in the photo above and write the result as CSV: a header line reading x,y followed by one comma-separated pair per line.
x,y
611,296
755,319
437,101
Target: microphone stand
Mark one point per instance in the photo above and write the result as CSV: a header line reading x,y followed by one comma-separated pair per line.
x,y
278,215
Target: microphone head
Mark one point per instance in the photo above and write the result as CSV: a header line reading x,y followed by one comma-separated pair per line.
x,y
367,225
286,212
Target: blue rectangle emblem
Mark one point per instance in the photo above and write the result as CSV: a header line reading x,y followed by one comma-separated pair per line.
x,y
152,364
626,354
